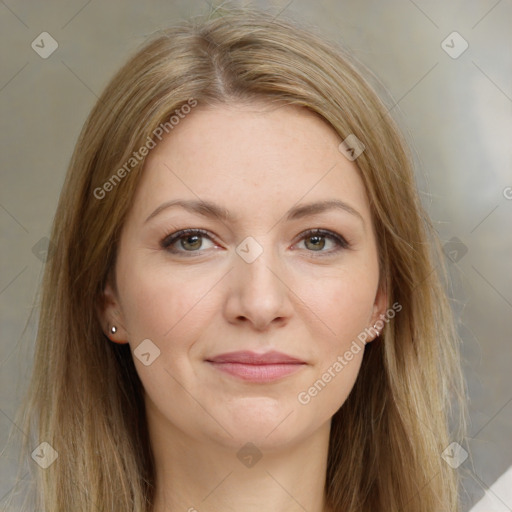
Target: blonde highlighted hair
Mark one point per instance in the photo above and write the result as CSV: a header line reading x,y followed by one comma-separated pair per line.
x,y
85,398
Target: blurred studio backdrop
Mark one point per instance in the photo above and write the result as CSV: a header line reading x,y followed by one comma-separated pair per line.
x,y
447,66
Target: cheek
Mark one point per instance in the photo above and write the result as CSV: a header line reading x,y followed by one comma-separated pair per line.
x,y
340,307
342,304
161,305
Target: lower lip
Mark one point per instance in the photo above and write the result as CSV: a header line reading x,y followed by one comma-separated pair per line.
x,y
258,372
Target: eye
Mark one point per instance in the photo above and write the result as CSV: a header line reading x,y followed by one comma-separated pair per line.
x,y
190,241
315,241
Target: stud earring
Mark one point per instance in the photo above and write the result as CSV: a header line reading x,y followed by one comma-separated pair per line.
x,y
113,329
376,330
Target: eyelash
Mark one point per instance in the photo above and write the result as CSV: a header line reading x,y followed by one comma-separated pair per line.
x,y
340,241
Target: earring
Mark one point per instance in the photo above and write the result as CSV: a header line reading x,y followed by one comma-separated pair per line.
x,y
113,329
376,330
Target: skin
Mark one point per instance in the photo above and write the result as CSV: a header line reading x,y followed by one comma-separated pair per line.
x,y
300,296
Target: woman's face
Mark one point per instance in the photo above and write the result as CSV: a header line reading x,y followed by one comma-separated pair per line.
x,y
253,280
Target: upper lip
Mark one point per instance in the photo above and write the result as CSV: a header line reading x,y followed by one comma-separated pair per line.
x,y
248,357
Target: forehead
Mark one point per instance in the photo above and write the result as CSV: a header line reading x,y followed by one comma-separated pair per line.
x,y
247,156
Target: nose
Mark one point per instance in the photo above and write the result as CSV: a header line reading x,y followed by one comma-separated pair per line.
x,y
258,292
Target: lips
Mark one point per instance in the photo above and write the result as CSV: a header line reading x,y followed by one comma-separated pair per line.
x,y
247,357
257,368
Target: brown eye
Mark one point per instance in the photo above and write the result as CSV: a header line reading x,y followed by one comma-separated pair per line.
x,y
192,242
316,240
187,241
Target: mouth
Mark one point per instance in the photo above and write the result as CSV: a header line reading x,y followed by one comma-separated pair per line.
x,y
254,367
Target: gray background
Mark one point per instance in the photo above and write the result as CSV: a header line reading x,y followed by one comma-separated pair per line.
x,y
456,113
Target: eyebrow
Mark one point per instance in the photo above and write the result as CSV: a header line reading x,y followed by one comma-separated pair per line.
x,y
209,209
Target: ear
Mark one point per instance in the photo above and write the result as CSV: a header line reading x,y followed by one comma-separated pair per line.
x,y
379,318
109,312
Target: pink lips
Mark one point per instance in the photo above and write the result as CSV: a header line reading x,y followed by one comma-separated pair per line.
x,y
254,367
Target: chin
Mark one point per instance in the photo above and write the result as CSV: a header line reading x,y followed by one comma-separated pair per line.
x,y
266,440
263,428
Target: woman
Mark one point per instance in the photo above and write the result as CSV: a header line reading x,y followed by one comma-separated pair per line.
x,y
244,307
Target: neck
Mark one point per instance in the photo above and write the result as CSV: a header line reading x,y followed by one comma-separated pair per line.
x,y
208,476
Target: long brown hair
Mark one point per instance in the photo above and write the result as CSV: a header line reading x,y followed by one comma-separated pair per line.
x,y
85,398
